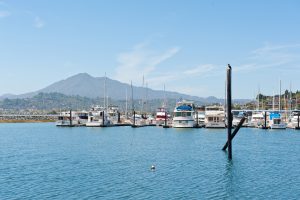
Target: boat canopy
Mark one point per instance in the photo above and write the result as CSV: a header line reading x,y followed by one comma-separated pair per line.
x,y
184,107
274,115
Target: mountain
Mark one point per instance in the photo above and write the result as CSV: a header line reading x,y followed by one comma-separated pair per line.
x,y
85,85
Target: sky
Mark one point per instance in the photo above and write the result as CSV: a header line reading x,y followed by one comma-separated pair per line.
x,y
184,45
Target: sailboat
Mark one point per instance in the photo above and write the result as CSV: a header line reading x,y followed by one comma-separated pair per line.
x,y
98,116
161,112
275,118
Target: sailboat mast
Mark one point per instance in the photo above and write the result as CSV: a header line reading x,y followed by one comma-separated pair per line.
x,y
146,103
290,99
104,94
258,98
132,105
225,100
126,105
273,103
164,104
279,108
142,107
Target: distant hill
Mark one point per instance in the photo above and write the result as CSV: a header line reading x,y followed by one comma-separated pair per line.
x,y
85,85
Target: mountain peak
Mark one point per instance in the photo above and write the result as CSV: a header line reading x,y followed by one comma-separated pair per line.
x,y
82,75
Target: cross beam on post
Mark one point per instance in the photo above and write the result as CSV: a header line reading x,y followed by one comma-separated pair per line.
x,y
235,132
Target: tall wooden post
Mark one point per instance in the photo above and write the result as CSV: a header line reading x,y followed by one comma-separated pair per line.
x,y
134,118
102,118
298,119
229,114
197,119
166,118
71,118
265,120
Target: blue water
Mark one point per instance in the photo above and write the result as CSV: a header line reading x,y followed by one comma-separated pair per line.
x,y
41,161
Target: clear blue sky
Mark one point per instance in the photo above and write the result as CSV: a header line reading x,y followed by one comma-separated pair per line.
x,y
185,45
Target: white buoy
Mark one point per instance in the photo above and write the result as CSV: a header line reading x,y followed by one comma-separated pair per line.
x,y
152,167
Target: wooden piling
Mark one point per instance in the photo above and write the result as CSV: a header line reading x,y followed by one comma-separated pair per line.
x,y
119,117
102,118
165,118
197,124
133,118
298,120
166,124
229,114
71,123
265,121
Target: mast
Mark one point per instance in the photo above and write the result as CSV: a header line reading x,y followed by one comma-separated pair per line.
x,y
132,105
142,107
225,100
104,95
290,99
126,105
284,105
258,98
164,104
279,104
273,103
106,103
146,106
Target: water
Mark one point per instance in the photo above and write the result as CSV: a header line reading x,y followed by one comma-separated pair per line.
x,y
41,161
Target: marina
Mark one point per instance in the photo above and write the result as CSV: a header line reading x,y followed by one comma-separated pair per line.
x,y
138,100
184,116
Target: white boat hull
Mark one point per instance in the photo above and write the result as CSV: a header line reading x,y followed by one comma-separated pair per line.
x,y
278,126
214,125
183,124
66,123
96,124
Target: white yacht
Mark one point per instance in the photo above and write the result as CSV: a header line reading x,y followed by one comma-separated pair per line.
x,y
184,115
75,118
98,117
238,117
293,120
161,116
200,117
113,114
67,118
275,121
257,119
138,120
214,117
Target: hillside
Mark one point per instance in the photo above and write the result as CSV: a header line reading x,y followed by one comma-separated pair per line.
x,y
85,85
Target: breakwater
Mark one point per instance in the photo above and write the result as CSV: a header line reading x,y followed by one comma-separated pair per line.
x,y
27,118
